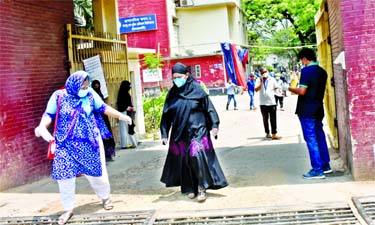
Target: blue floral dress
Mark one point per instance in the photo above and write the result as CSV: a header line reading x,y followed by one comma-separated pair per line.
x,y
78,132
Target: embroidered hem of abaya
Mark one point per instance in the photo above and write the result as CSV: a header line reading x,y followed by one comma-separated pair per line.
x,y
193,164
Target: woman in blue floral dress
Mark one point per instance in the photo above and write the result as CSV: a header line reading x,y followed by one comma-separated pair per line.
x,y
78,137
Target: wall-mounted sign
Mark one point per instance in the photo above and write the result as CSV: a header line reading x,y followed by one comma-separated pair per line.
x,y
94,67
152,75
138,23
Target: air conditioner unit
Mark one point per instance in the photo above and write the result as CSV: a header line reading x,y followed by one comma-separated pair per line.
x,y
184,3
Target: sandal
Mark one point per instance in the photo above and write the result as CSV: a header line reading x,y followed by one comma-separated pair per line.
x,y
191,195
64,218
107,204
201,195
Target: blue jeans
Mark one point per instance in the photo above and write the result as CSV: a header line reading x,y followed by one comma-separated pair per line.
x,y
251,93
316,143
230,97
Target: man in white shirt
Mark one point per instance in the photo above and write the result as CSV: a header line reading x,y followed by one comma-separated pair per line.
x,y
231,92
266,86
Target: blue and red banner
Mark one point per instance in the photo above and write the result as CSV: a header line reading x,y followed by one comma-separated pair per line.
x,y
235,62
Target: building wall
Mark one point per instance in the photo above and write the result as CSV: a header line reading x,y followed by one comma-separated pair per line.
x,y
340,82
147,39
202,29
358,24
32,66
212,70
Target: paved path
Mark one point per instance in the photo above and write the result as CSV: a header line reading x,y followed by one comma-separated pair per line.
x,y
261,173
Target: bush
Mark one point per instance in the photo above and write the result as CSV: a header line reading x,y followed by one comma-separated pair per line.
x,y
153,109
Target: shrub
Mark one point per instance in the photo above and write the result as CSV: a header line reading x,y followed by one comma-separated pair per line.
x,y
153,109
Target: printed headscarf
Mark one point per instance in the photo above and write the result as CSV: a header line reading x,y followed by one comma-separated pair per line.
x,y
74,82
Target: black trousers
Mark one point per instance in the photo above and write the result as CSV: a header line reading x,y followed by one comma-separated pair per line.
x,y
269,113
279,99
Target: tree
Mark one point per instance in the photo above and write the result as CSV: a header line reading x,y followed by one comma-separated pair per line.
x,y
83,15
265,16
282,24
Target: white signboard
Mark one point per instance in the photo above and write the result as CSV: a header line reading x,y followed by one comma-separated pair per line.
x,y
94,67
152,75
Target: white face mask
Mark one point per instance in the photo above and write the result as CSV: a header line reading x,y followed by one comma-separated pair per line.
x,y
83,93
265,75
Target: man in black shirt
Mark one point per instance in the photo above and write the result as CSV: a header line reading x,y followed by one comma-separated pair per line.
x,y
310,111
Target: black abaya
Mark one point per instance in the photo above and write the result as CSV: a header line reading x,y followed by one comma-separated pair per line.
x,y
191,159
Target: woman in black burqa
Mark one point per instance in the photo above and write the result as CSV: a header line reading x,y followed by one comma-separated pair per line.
x,y
191,161
109,143
128,137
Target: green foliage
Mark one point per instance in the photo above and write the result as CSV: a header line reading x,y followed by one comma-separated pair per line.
x,y
153,109
269,68
152,61
281,24
83,14
266,16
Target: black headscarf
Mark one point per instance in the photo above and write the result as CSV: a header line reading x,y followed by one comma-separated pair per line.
x,y
124,99
190,91
97,90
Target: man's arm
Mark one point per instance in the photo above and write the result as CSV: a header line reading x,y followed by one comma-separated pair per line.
x,y
299,91
259,86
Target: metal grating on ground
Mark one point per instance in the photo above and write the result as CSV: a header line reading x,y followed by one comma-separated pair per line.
x,y
331,216
125,218
366,207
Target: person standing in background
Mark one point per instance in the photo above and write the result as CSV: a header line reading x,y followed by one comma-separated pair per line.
x,y
279,96
251,90
109,143
310,111
266,86
231,92
128,137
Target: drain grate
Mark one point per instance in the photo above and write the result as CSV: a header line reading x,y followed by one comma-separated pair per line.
x,y
341,215
126,218
366,207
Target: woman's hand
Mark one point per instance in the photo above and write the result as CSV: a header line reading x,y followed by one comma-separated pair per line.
x,y
214,132
41,131
126,119
164,141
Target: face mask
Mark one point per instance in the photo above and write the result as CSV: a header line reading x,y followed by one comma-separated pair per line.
x,y
82,93
265,75
179,82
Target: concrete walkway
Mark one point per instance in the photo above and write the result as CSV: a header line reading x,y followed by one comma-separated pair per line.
x,y
261,173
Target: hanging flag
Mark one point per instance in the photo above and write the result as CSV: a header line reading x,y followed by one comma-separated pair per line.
x,y
229,63
244,56
235,63
238,68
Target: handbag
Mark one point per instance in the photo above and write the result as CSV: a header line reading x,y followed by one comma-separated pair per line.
x,y
52,144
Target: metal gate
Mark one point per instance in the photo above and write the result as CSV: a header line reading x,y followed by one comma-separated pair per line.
x,y
112,50
325,60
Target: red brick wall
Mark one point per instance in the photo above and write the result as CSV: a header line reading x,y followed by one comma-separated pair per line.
x,y
211,76
358,24
341,87
32,65
147,39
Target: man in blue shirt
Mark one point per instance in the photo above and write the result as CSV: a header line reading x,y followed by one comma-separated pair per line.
x,y
250,89
310,111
